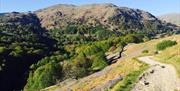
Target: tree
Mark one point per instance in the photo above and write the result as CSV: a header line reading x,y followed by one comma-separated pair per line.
x,y
43,76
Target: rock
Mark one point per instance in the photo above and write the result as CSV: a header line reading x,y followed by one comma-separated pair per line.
x,y
146,83
162,66
152,71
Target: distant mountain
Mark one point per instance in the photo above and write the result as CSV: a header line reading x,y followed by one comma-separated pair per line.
x,y
109,16
172,18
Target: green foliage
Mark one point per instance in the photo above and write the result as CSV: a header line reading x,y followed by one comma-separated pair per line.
x,y
17,52
74,51
80,34
99,62
22,43
145,51
44,76
164,44
130,79
133,38
2,50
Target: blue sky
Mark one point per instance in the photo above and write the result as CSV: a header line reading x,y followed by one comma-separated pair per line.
x,y
156,7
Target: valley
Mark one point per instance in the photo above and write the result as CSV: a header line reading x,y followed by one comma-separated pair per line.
x,y
94,47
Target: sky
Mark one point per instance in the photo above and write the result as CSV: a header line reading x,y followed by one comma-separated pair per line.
x,y
156,7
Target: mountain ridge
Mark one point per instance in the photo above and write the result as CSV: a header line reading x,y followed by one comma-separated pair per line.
x,y
109,16
99,13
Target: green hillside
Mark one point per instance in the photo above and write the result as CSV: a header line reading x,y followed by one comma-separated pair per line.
x,y
52,45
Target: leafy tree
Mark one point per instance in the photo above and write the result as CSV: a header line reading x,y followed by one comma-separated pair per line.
x,y
44,76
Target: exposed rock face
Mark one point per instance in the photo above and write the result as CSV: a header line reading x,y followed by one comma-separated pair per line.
x,y
108,15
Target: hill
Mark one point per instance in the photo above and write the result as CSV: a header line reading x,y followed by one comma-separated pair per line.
x,y
125,73
109,16
173,18
22,43
68,41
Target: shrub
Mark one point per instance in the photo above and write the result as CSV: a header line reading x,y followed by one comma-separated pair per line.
x,y
164,44
145,51
156,52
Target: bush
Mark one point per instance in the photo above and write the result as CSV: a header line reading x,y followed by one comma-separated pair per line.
x,y
145,51
164,44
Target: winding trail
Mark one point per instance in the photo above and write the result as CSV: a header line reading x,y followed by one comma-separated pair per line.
x,y
159,77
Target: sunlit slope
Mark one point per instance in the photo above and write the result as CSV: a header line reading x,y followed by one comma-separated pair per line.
x,y
127,68
150,45
171,56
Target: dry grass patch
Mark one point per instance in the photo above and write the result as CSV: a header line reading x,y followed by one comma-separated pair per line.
x,y
129,80
122,68
150,45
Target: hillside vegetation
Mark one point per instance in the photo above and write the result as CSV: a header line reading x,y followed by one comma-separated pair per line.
x,y
165,44
151,45
110,75
42,48
171,56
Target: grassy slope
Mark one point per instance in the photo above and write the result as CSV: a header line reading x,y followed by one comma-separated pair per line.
x,y
125,67
130,68
128,81
150,45
171,56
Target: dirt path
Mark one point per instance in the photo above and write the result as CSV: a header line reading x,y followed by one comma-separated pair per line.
x,y
159,77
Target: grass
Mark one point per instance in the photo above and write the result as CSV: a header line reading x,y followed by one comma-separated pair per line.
x,y
150,45
130,68
123,68
128,82
171,55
